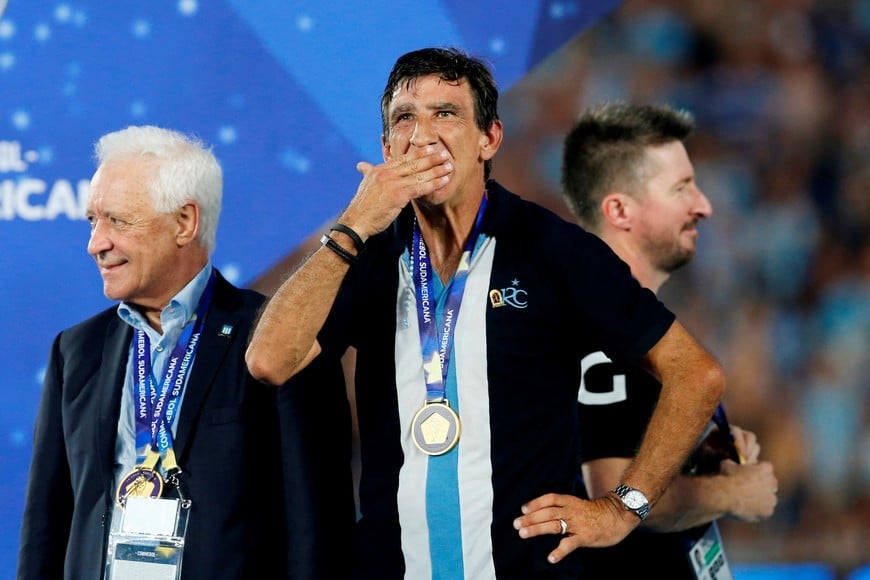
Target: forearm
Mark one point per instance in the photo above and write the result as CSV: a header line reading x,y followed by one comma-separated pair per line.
x,y
284,340
691,501
692,385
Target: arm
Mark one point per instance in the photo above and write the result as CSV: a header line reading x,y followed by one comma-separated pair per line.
x,y
743,491
285,338
48,506
692,385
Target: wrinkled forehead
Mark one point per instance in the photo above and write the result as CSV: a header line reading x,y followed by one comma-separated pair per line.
x,y
408,83
429,86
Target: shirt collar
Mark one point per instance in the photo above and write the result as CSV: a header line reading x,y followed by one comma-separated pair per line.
x,y
180,309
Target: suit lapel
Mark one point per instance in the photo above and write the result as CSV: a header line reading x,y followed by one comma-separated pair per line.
x,y
214,344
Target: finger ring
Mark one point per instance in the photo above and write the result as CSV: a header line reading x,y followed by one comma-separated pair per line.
x,y
564,526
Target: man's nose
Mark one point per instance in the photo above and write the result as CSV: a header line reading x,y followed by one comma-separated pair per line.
x,y
99,240
424,134
703,207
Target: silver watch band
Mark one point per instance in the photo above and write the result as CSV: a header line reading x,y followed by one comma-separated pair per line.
x,y
633,500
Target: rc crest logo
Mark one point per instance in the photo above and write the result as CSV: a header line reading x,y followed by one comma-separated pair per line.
x,y
513,295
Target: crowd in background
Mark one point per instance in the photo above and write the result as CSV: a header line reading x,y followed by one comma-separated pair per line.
x,y
780,288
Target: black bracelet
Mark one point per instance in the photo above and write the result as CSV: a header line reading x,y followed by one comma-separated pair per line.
x,y
357,241
325,240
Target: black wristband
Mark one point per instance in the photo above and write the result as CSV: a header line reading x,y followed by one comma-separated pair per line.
x,y
357,241
325,240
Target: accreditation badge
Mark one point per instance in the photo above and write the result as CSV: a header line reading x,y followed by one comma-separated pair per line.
x,y
707,556
436,428
147,538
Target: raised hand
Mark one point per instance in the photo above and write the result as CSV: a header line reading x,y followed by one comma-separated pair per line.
x,y
388,187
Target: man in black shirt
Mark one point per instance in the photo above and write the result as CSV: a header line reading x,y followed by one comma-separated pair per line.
x,y
628,179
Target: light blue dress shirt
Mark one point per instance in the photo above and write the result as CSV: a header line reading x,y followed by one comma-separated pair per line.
x,y
174,317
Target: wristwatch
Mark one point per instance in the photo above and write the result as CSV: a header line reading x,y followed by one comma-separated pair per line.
x,y
633,500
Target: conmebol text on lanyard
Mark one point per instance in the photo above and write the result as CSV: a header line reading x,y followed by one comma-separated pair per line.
x,y
155,410
436,427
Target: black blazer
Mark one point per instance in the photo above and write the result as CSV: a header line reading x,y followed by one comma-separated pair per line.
x,y
249,455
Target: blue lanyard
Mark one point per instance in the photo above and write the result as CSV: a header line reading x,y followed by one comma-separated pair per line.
x,y
156,411
437,350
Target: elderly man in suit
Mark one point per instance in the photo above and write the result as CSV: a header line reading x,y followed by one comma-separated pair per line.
x,y
152,397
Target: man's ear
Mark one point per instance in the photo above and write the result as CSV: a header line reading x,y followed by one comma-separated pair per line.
x,y
490,140
187,223
615,210
385,148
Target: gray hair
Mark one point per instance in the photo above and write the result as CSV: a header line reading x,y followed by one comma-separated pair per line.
x,y
187,170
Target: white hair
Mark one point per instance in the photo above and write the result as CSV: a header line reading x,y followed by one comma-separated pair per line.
x,y
187,170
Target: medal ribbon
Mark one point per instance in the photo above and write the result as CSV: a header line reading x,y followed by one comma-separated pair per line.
x,y
156,411
436,353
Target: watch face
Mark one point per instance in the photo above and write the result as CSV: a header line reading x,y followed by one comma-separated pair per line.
x,y
634,499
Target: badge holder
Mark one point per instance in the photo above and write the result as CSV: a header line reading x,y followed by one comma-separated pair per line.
x,y
707,556
147,538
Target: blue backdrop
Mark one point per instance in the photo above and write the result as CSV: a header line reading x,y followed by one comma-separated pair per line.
x,y
287,91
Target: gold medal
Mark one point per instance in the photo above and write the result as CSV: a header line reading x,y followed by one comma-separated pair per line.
x,y
435,428
143,480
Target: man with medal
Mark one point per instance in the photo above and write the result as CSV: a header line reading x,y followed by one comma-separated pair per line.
x,y
469,309
155,452
627,177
